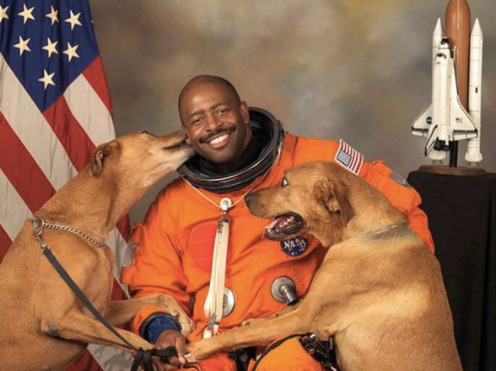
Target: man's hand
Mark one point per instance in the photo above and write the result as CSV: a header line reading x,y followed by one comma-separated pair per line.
x,y
166,339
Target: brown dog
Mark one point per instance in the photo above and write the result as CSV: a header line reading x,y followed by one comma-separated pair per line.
x,y
43,325
379,291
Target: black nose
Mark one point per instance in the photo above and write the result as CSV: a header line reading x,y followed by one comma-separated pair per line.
x,y
248,198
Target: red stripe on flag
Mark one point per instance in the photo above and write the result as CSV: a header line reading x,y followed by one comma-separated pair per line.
x,y
21,169
74,139
124,227
356,157
86,362
117,292
5,242
95,75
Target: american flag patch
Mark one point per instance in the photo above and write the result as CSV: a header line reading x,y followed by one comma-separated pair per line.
x,y
350,158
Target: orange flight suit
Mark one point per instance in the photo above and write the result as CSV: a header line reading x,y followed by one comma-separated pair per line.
x,y
175,244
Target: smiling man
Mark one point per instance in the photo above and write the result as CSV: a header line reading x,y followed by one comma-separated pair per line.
x,y
216,120
201,245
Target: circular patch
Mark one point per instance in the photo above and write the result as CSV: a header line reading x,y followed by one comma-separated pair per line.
x,y
295,246
229,301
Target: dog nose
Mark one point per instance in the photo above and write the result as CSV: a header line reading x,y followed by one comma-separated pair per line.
x,y
248,198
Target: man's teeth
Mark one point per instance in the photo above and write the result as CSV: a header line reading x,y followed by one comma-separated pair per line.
x,y
219,139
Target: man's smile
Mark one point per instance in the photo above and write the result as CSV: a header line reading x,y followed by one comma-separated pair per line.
x,y
219,138
219,141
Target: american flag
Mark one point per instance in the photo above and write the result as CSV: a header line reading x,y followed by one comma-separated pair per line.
x,y
349,157
54,109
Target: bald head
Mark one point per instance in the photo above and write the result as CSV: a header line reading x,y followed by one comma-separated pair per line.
x,y
205,80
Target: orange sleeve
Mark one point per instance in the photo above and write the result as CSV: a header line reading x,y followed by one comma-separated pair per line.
x,y
156,267
401,195
392,185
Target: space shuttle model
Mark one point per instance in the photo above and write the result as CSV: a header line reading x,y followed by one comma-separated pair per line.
x,y
454,113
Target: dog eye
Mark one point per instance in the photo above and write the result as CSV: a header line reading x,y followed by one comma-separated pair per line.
x,y
284,182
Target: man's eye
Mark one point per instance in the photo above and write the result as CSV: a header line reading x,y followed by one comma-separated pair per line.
x,y
284,182
196,121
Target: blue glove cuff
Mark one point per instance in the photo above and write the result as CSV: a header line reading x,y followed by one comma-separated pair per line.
x,y
157,323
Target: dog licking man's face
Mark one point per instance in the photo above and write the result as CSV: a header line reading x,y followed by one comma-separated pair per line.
x,y
306,201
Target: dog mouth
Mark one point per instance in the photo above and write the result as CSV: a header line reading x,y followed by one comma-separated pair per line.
x,y
284,225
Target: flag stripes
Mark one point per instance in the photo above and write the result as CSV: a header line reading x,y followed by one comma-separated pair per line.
x,y
71,135
54,108
29,124
13,212
21,168
96,78
349,158
4,242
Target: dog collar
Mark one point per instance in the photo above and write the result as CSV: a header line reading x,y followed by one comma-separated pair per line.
x,y
39,224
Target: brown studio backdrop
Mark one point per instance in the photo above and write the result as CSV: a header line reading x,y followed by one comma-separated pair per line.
x,y
351,69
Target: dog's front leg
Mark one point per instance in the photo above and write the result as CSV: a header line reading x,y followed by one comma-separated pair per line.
x,y
121,311
261,331
76,326
282,312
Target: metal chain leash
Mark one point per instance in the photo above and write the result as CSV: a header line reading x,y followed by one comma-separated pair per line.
x,y
39,224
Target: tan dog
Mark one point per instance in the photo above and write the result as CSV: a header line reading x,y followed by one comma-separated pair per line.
x,y
43,325
379,291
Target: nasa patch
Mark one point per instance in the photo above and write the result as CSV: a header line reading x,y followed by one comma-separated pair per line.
x,y
294,247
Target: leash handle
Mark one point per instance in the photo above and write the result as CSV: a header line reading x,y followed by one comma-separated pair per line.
x,y
145,357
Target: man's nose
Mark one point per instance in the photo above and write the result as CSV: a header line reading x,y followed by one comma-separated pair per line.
x,y
212,122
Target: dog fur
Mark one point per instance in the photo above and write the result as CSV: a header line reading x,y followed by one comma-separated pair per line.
x,y
43,325
379,291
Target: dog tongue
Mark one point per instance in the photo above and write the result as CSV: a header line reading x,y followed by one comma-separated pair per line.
x,y
271,224
277,223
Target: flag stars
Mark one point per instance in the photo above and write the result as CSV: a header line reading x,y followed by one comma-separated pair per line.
x,y
71,51
47,79
27,13
53,15
74,20
51,47
22,45
3,13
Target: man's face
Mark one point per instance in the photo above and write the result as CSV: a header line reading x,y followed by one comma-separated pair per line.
x,y
216,123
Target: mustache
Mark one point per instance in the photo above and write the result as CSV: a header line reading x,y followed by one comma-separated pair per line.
x,y
214,133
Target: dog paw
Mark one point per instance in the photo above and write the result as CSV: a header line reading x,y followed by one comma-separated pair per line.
x,y
197,351
187,324
170,306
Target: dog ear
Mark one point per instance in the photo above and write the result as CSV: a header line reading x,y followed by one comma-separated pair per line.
x,y
334,196
99,156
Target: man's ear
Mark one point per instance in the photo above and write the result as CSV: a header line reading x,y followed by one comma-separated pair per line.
x,y
188,141
245,113
99,156
334,196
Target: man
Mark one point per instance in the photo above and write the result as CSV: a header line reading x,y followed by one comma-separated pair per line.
x,y
200,244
